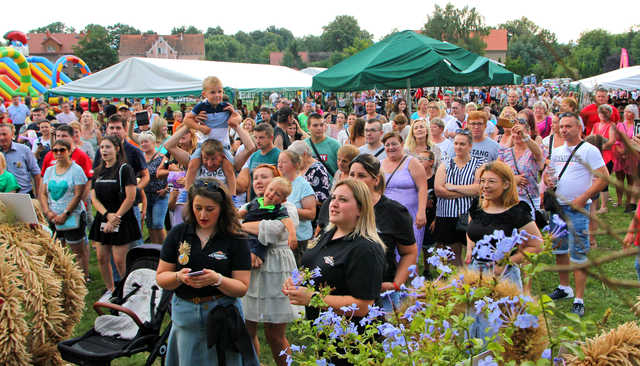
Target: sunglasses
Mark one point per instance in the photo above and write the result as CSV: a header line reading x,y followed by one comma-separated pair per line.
x,y
568,114
56,151
522,121
209,185
372,168
461,131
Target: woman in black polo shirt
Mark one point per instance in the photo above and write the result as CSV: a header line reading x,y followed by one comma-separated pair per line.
x,y
349,254
210,246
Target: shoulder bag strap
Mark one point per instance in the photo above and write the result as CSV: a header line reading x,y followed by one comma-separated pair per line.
x,y
394,171
315,150
515,164
550,146
120,179
379,152
570,157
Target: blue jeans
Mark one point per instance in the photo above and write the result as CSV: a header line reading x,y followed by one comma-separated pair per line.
x,y
576,243
136,211
638,266
385,302
156,211
187,344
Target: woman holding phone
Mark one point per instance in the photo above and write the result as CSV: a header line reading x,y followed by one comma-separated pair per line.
x,y
206,262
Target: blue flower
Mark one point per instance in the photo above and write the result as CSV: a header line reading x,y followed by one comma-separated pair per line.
x,y
546,354
388,330
295,348
526,321
412,310
349,309
387,293
316,273
417,282
296,277
487,361
479,304
374,312
413,270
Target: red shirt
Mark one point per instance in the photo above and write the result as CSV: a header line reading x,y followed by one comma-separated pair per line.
x,y
590,116
80,157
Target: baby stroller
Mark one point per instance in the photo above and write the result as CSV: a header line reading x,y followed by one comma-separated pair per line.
x,y
134,318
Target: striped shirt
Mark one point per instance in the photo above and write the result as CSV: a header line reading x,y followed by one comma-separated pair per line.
x,y
453,207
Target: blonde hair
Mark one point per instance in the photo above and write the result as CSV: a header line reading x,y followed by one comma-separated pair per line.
x,y
443,108
422,100
410,144
3,163
283,184
508,109
211,82
366,222
147,136
510,195
157,126
75,124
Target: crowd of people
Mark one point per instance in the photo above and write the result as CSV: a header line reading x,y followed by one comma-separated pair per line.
x,y
361,190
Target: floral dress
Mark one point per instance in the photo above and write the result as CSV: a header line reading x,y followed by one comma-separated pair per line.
x,y
320,181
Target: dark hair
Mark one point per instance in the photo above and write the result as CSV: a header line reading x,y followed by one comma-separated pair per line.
x,y
116,118
315,116
264,127
66,128
357,129
63,143
372,165
531,122
211,188
396,108
37,109
120,156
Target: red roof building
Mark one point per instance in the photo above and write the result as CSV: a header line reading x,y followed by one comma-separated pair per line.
x,y
497,45
52,45
179,46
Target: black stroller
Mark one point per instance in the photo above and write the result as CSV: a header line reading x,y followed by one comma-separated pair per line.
x,y
134,319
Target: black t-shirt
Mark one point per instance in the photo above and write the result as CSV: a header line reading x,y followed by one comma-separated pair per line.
x,y
482,223
350,266
135,158
109,190
395,227
223,254
286,141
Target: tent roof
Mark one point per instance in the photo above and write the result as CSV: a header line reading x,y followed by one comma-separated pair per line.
x,y
153,77
627,78
408,56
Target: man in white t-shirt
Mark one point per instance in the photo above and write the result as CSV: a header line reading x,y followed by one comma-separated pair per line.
x,y
575,188
373,138
66,116
457,120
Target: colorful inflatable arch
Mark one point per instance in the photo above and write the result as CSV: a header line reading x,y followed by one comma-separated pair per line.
x,y
23,65
57,68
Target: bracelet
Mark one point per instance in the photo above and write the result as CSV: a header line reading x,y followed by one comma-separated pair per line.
x,y
219,282
178,278
395,285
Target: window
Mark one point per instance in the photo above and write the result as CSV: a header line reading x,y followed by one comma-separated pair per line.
x,y
159,51
51,49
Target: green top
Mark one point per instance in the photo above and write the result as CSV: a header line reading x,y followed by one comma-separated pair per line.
x,y
302,118
8,182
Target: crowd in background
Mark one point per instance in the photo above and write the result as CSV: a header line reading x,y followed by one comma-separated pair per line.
x,y
463,163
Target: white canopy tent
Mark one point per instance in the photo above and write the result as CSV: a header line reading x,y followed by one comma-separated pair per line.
x,y
627,78
153,77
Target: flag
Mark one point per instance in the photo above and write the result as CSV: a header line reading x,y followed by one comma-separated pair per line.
x,y
624,58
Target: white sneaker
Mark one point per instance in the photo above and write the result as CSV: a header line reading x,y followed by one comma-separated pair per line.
x,y
106,296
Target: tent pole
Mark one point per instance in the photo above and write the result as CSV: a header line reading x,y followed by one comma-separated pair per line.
x,y
408,99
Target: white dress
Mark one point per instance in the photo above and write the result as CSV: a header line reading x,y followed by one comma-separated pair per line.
x,y
264,301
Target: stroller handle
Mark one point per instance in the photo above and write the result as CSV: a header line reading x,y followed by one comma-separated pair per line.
x,y
99,305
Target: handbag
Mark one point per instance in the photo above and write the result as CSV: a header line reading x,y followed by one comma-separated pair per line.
x,y
540,217
72,222
549,200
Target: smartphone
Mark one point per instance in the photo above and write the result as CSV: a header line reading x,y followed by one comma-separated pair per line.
x,y
505,123
636,127
142,118
102,226
194,274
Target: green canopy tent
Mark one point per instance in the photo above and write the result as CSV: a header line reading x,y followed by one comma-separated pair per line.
x,y
407,59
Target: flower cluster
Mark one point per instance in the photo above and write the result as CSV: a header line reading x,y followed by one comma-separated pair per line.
x,y
439,259
495,247
507,310
557,228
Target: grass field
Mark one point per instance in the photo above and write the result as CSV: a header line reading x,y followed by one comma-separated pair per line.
x,y
598,298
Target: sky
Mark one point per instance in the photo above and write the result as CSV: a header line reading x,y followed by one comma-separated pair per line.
x,y
567,18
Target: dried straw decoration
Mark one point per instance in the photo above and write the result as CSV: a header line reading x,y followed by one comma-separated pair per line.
x,y
619,347
51,303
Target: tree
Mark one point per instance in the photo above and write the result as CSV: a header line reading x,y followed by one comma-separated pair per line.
x,y
55,27
342,32
590,54
94,48
118,29
223,48
291,57
311,43
186,30
463,27
150,31
213,31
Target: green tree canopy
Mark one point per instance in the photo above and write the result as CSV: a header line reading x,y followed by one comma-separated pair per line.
x,y
95,48
463,27
186,30
213,31
55,27
342,32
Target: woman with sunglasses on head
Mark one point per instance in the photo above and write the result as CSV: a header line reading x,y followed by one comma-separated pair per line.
x,y
455,185
526,159
264,302
206,262
349,255
113,191
61,201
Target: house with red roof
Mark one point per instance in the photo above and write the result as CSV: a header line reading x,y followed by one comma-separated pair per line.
x,y
52,45
178,46
497,45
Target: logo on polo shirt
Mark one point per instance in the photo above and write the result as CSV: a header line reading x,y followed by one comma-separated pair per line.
x,y
329,260
219,255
